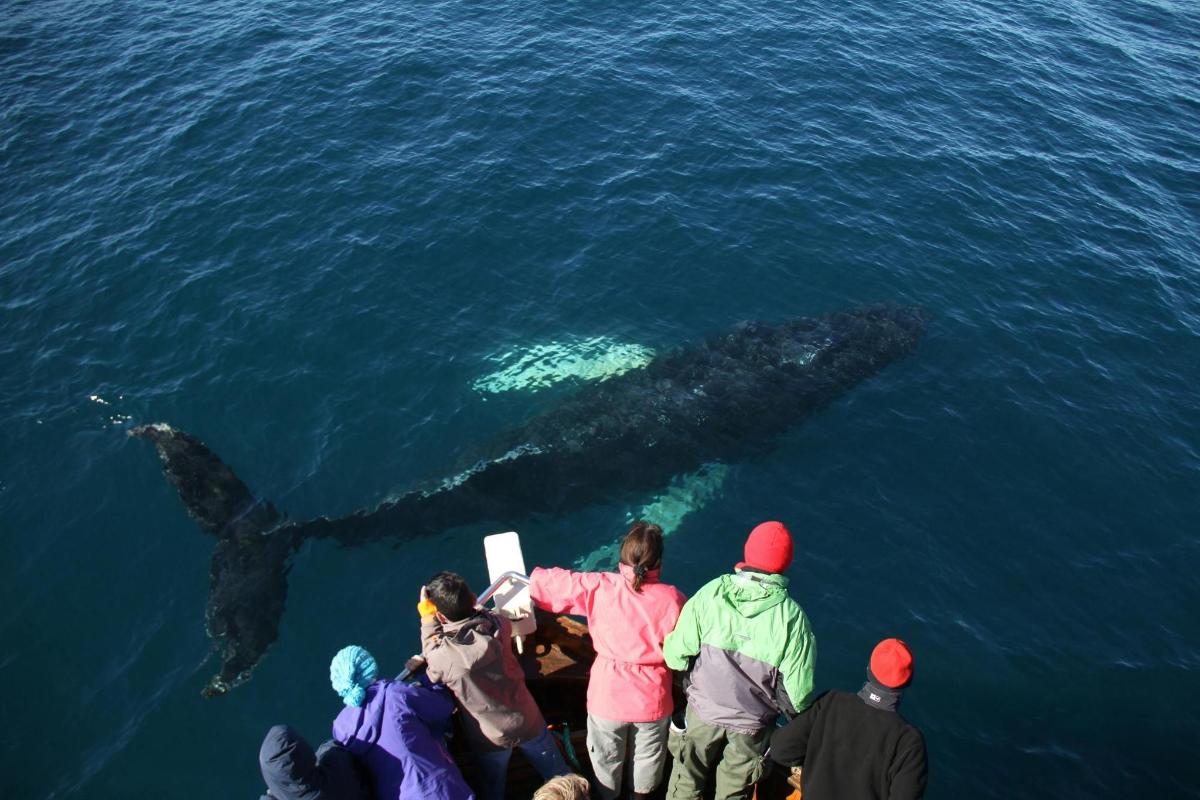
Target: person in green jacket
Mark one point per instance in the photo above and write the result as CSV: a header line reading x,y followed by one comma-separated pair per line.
x,y
751,653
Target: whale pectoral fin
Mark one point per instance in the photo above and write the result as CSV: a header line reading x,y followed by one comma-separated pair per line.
x,y
245,603
684,495
541,366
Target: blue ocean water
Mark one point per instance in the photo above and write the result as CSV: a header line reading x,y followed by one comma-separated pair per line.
x,y
303,231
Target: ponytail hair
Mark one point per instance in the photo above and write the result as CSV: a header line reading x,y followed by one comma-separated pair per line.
x,y
642,550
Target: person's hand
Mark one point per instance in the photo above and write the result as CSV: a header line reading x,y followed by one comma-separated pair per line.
x,y
425,606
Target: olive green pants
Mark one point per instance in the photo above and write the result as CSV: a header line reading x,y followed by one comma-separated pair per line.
x,y
738,758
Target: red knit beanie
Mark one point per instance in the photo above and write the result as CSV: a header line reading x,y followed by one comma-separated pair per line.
x,y
769,548
892,663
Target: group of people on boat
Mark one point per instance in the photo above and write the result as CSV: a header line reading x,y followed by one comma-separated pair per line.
x,y
744,645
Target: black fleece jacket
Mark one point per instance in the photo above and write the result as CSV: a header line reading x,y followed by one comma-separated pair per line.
x,y
852,749
292,771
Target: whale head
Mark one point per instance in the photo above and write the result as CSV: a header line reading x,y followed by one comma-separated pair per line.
x,y
818,358
846,346
879,334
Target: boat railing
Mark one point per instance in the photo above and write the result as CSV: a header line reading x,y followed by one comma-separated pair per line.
x,y
509,594
499,583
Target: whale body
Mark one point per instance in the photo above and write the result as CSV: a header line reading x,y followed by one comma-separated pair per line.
x,y
724,399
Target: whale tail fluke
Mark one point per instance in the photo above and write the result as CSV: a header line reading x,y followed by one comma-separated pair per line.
x,y
214,496
248,573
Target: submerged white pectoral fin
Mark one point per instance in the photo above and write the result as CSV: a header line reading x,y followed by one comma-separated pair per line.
x,y
685,494
543,365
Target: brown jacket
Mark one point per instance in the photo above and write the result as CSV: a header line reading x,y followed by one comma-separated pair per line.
x,y
474,658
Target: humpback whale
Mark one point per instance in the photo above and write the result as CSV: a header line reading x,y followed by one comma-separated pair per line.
x,y
726,398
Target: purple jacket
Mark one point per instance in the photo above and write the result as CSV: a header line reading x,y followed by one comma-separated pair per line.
x,y
397,735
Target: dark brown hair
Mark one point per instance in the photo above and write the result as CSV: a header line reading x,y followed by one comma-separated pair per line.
x,y
642,550
450,593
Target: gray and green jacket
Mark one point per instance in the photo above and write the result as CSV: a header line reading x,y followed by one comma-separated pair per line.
x,y
753,647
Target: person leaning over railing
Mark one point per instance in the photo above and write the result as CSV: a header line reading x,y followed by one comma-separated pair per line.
x,y
754,653
855,746
396,730
629,612
469,649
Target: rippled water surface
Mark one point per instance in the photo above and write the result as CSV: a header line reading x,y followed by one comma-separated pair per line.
x,y
308,231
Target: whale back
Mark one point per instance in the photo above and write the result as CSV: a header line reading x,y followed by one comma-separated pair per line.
x,y
725,398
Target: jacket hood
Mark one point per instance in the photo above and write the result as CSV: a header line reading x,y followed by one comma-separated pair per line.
x,y
464,630
289,765
751,593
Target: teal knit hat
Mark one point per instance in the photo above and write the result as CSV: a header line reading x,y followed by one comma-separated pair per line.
x,y
352,670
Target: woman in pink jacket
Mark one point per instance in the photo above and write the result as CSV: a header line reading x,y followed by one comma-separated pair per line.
x,y
629,693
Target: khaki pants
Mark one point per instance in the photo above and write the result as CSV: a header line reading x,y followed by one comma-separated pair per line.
x,y
610,744
738,758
